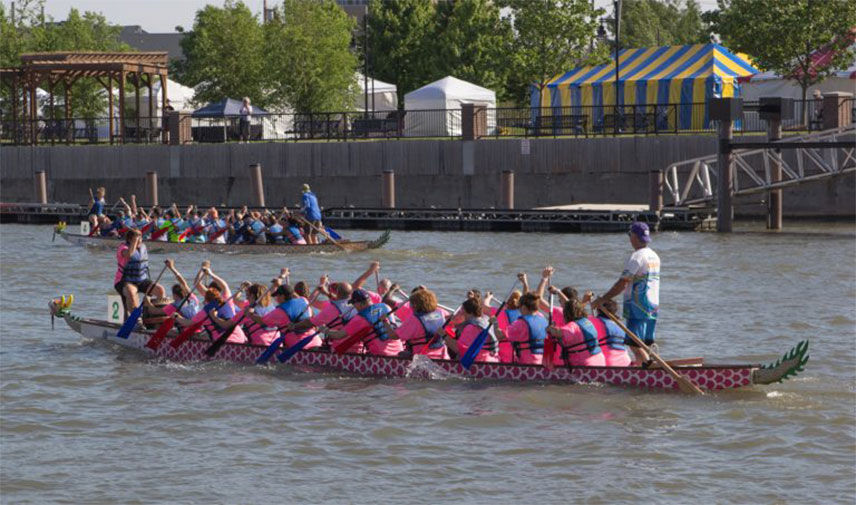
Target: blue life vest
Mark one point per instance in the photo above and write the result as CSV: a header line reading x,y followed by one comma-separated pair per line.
x,y
432,322
97,208
227,311
614,335
188,310
137,267
590,343
491,343
512,315
537,333
346,312
373,314
296,309
208,324
294,235
275,232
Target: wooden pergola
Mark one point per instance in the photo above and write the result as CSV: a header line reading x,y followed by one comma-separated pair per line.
x,y
46,70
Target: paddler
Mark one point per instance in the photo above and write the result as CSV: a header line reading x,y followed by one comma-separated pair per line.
x,y
291,309
640,282
132,274
474,322
179,290
527,333
96,206
336,312
579,337
216,228
257,332
610,336
423,326
312,214
369,315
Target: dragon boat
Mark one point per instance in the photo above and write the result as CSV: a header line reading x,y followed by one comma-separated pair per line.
x,y
705,376
156,246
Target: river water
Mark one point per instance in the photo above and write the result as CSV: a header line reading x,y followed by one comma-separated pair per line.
x,y
84,422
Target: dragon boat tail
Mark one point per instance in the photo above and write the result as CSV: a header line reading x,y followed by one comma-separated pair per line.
x,y
707,377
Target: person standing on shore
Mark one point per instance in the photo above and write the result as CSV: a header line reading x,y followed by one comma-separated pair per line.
x,y
246,115
312,212
640,282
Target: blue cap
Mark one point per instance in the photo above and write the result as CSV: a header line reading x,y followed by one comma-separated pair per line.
x,y
359,295
641,231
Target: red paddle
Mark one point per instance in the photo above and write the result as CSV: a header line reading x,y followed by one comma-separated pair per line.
x,y
350,341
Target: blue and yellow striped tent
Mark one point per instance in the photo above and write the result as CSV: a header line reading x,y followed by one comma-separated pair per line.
x,y
652,76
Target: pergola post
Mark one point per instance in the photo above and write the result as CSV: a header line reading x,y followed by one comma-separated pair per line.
x,y
122,106
15,109
53,118
69,122
151,125
110,106
165,132
137,100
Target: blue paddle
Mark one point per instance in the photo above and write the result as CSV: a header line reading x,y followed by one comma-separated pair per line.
x,y
131,322
332,233
470,356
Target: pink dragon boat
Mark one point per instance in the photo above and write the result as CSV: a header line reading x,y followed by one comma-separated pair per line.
x,y
706,376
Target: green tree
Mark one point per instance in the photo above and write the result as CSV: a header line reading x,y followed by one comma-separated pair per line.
x,y
308,57
550,37
400,43
781,36
472,43
648,23
225,55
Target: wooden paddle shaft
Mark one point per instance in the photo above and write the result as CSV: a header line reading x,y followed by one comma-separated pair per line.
x,y
685,384
319,230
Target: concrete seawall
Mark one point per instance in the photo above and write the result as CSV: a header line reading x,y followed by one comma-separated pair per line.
x,y
440,173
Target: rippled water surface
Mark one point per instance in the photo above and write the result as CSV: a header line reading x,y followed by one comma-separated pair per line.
x,y
84,422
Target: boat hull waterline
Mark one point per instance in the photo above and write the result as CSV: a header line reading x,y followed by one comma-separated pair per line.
x,y
156,246
708,377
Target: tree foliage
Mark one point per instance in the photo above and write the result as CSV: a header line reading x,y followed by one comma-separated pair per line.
x,y
31,32
648,23
400,43
781,36
224,54
308,57
472,43
551,37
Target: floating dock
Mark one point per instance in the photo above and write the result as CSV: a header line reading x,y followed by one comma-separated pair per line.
x,y
579,218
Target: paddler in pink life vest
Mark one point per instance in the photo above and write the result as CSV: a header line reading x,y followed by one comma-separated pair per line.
x,y
373,268
290,310
610,336
509,315
368,316
132,273
578,338
336,312
423,326
179,291
258,334
527,334
474,322
212,305
564,295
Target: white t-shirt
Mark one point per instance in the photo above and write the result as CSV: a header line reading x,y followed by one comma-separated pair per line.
x,y
642,295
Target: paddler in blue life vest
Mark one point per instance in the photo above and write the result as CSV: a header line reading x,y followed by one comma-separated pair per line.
x,y
132,274
96,206
640,282
312,213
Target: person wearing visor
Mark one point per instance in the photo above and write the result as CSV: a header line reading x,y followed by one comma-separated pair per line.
x,y
369,315
640,282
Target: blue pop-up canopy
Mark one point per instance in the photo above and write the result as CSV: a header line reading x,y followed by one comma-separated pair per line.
x,y
225,108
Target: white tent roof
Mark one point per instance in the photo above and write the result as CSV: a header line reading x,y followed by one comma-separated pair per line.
x,y
450,89
378,86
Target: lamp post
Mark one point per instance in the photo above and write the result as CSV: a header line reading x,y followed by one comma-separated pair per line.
x,y
618,111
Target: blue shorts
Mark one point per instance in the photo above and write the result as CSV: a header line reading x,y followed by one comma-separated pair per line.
x,y
643,328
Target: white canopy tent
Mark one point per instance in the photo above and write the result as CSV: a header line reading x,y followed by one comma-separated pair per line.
x,y
770,84
382,96
434,110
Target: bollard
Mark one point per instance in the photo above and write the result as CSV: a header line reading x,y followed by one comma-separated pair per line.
x,y
41,187
725,111
152,188
774,201
257,185
655,189
388,196
508,189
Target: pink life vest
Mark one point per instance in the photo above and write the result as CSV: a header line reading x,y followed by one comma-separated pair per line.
x,y
612,357
257,333
579,345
